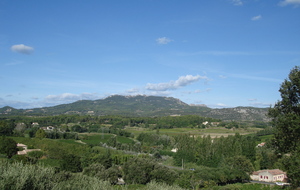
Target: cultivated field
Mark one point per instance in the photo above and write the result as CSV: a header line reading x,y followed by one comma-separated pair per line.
x,y
214,132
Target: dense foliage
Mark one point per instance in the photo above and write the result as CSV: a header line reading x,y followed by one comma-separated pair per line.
x,y
8,146
142,171
19,176
286,118
212,152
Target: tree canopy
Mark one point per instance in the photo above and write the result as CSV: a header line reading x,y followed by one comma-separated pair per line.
x,y
286,114
286,119
8,146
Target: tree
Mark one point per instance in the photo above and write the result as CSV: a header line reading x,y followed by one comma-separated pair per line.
x,y
163,174
78,128
286,118
31,132
112,141
286,114
40,133
8,146
98,170
6,128
137,170
239,163
71,163
291,164
104,159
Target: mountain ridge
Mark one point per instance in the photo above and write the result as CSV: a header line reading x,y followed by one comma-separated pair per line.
x,y
141,106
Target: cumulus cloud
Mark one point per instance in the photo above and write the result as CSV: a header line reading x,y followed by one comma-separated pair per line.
x,y
68,97
218,105
163,40
133,91
21,48
289,2
237,2
172,85
258,17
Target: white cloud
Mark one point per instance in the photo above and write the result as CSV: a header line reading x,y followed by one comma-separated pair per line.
x,y
159,93
260,104
14,63
68,97
237,2
218,105
289,2
201,91
14,104
133,91
215,53
21,48
222,76
163,40
172,85
258,17
248,77
254,102
252,99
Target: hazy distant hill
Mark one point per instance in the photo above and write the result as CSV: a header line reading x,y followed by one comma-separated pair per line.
x,y
142,106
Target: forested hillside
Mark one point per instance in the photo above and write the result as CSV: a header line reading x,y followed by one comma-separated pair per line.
x,y
142,106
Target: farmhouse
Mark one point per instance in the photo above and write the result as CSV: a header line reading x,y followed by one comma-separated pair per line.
x,y
261,144
269,175
25,149
49,128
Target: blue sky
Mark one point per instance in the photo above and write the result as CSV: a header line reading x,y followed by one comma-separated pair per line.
x,y
221,53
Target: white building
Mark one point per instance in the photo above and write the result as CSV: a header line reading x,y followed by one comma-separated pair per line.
x,y
269,175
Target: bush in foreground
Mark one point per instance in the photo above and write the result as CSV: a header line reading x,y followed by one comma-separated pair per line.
x,y
22,176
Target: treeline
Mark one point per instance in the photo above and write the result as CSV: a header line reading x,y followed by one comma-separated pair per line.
x,y
23,176
117,121
210,152
67,126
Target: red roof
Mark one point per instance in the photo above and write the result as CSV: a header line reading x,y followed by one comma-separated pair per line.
x,y
273,172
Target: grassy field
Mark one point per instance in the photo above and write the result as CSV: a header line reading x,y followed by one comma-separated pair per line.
x,y
266,137
49,162
125,140
70,141
96,138
213,131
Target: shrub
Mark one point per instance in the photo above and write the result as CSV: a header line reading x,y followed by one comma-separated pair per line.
x,y
8,146
18,176
35,154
